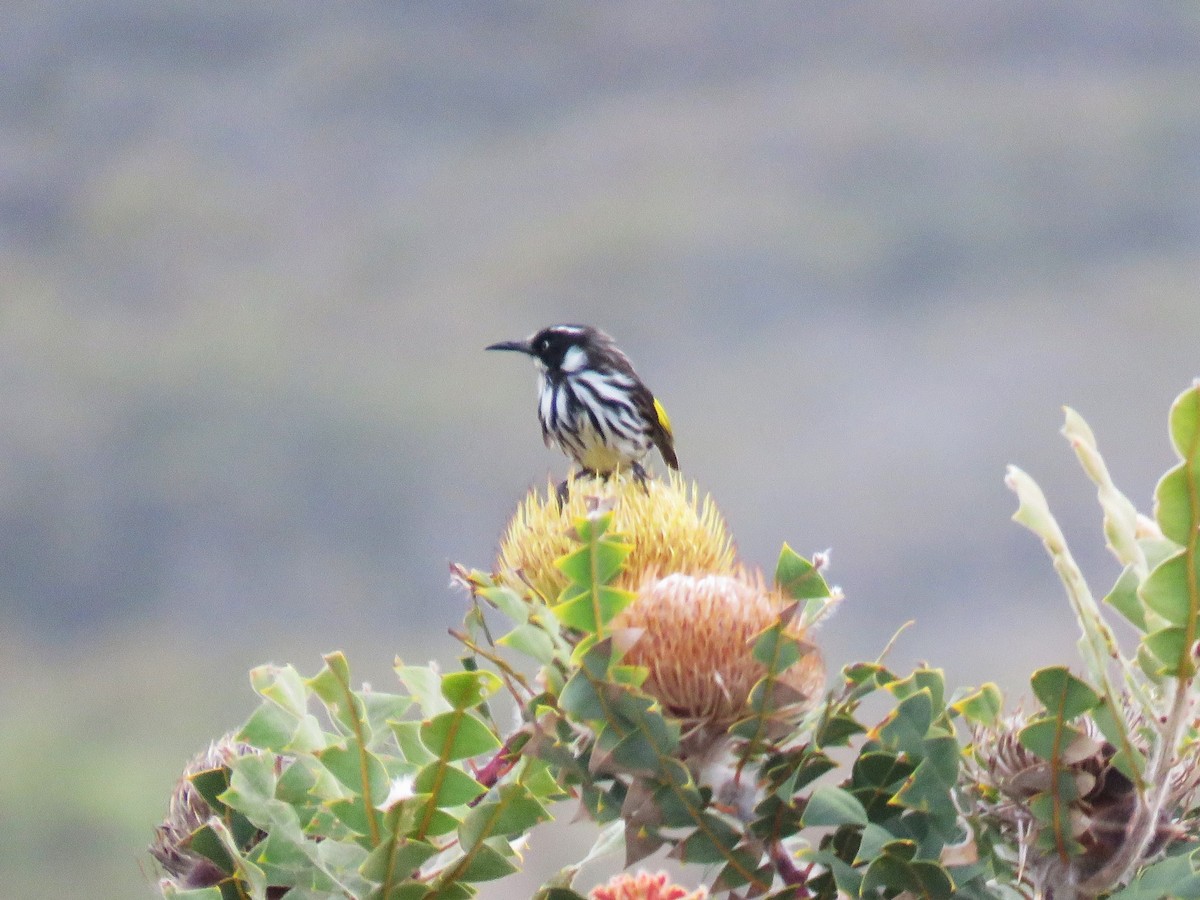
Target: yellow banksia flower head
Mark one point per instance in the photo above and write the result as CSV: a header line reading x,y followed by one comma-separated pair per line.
x,y
670,526
696,639
644,886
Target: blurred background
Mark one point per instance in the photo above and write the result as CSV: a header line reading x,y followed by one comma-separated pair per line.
x,y
250,254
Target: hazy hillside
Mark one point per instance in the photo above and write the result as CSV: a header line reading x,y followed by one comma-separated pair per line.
x,y
250,255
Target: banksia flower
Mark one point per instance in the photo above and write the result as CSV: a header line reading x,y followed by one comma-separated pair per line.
x,y
644,886
188,811
669,525
1009,779
696,636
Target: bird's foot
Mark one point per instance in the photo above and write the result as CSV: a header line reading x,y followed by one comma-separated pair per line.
x,y
564,489
639,475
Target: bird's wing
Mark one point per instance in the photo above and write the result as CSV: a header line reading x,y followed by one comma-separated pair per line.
x,y
660,424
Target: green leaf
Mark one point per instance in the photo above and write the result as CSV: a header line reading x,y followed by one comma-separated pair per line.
x,y
931,680
457,735
891,872
713,841
1048,738
408,737
590,608
906,726
1124,598
449,786
1170,647
514,811
425,686
1175,877
282,685
395,859
270,727
1063,695
485,863
829,805
205,841
929,787
1174,503
589,602
798,578
981,707
532,640
464,690
351,764
1167,590
1185,425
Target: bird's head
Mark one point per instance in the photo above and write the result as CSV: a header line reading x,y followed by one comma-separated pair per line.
x,y
561,348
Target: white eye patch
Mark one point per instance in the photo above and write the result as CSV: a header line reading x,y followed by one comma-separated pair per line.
x,y
574,360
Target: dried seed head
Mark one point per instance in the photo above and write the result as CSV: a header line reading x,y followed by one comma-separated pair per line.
x,y
1009,777
187,812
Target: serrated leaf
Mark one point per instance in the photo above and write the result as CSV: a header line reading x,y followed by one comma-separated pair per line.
x,y
589,609
981,707
425,686
531,640
712,841
1124,598
282,685
485,863
508,601
448,785
205,841
270,727
1170,647
1167,590
1048,738
396,859
1174,508
906,726
457,735
798,578
464,690
1175,877
514,811
1063,695
352,763
1185,425
829,805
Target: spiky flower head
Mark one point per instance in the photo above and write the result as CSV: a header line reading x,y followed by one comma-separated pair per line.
x,y
187,812
671,528
695,635
644,886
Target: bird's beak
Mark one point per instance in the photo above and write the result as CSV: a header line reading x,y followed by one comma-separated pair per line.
x,y
519,346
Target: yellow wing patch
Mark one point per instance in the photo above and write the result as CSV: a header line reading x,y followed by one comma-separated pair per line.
x,y
663,419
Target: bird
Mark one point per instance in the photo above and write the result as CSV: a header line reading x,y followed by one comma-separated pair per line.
x,y
591,403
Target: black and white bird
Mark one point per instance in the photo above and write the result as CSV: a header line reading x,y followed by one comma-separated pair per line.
x,y
592,404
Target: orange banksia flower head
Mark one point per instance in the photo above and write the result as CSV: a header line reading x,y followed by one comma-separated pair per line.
x,y
669,524
644,886
695,635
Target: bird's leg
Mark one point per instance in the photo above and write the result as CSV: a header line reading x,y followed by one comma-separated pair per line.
x,y
564,489
639,475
